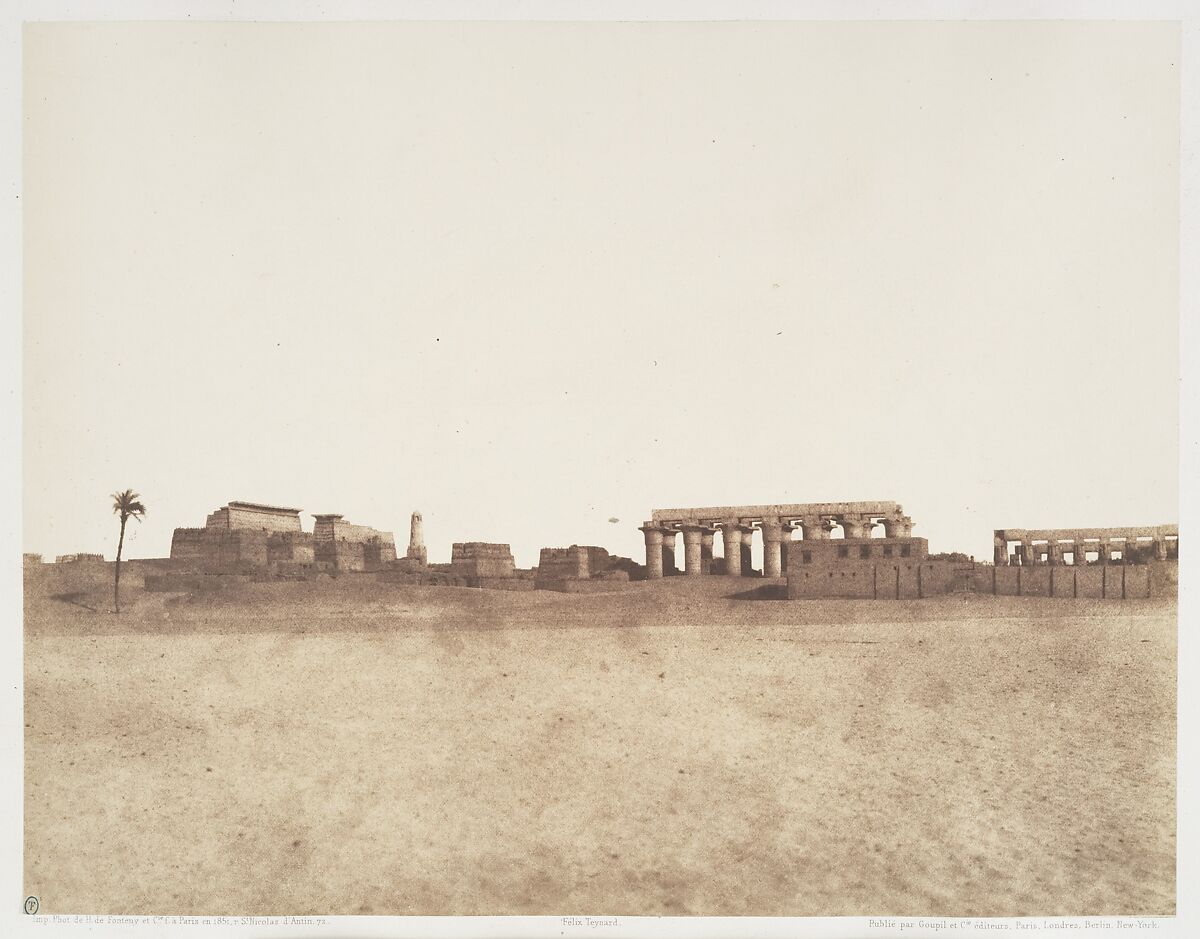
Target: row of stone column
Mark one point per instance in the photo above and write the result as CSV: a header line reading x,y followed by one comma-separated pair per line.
x,y
1027,553
738,538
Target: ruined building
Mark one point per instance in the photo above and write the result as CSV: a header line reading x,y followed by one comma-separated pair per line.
x,y
578,568
341,546
244,538
250,538
776,525
1107,563
1083,546
816,564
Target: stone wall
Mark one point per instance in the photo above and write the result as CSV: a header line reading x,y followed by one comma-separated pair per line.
x,y
232,551
343,546
1094,581
558,567
864,580
838,551
248,515
478,559
576,561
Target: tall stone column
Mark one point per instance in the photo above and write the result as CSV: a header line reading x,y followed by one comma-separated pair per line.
x,y
1160,549
732,533
654,554
772,533
1053,553
852,528
747,551
999,551
1102,555
691,550
1127,550
706,551
669,541
1027,555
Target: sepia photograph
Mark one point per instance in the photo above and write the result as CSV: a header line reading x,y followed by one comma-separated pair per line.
x,y
616,473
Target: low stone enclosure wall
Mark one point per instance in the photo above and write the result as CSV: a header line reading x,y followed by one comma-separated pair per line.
x,y
1099,581
866,581
928,578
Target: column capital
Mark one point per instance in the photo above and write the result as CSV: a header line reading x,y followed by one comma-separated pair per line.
x,y
653,533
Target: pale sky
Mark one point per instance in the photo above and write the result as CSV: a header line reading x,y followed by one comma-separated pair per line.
x,y
526,278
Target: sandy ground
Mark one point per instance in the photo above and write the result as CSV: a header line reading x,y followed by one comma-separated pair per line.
x,y
350,747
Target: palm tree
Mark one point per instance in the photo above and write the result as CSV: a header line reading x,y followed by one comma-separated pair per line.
x,y
126,505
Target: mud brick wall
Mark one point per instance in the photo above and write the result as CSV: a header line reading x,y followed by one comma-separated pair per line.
x,y
576,563
214,550
558,563
290,546
476,559
349,547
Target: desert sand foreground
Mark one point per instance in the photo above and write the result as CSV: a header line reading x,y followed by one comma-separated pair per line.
x,y
353,747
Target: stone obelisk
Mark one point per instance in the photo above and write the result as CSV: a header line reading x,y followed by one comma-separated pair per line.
x,y
416,541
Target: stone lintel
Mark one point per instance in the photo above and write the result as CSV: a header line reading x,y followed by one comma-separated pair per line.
x,y
747,513
1055,535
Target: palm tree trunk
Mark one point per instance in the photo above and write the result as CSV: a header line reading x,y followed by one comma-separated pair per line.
x,y
117,573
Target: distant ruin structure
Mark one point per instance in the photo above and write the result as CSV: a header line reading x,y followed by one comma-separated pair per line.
x,y
340,546
1098,563
416,541
479,559
79,559
578,568
1082,546
256,539
244,538
776,525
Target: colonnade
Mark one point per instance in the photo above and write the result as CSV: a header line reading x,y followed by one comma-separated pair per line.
x,y
737,535
1050,546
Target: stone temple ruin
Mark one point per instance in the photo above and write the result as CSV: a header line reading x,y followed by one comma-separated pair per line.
x,y
1110,563
1024,547
899,566
737,525
862,550
267,540
579,568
